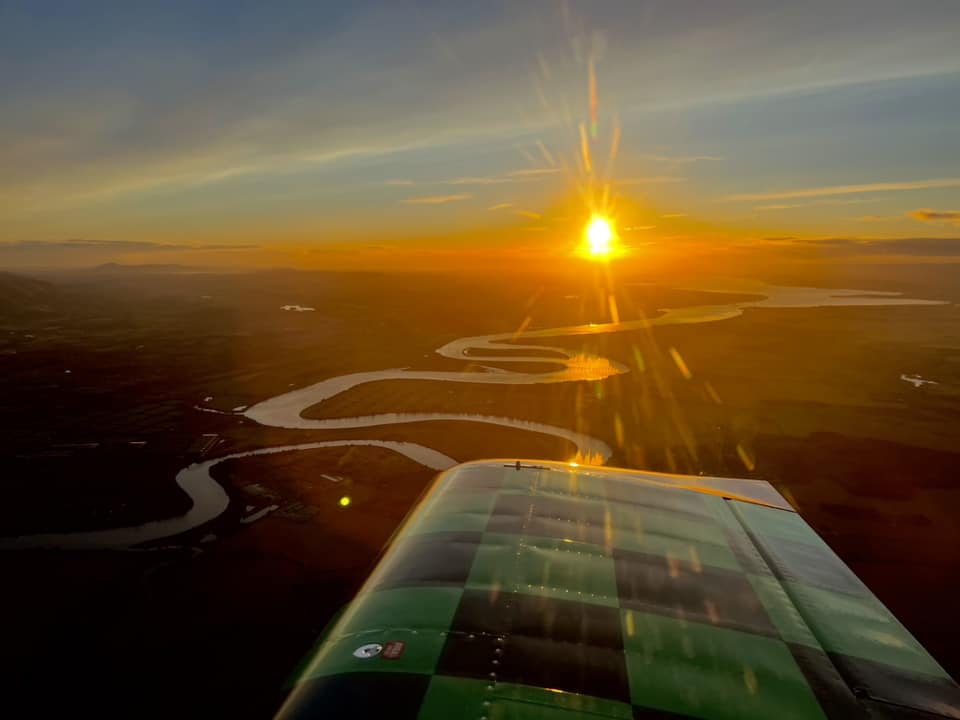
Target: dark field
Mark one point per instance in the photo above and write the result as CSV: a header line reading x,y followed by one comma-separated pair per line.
x,y
211,623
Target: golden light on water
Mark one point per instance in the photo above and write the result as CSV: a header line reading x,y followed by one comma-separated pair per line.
x,y
599,237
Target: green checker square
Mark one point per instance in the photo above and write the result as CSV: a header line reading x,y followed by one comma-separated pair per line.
x,y
711,672
545,566
405,607
525,702
525,479
660,520
782,611
572,484
658,532
861,627
421,651
448,698
452,698
780,524
459,512
720,509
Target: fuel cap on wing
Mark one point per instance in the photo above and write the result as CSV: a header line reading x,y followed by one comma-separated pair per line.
x,y
368,651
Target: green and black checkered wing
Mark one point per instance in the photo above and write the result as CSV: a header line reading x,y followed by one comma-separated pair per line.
x,y
520,591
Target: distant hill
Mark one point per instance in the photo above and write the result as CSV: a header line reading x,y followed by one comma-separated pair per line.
x,y
20,289
113,267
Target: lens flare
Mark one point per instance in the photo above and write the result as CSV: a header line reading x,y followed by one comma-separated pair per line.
x,y
599,237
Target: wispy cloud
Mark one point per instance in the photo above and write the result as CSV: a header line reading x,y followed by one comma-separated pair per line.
x,y
674,215
500,206
399,181
437,199
510,177
896,246
928,215
480,180
848,189
817,203
119,245
651,180
878,218
683,159
529,214
533,172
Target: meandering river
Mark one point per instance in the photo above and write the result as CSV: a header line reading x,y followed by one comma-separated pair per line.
x,y
209,499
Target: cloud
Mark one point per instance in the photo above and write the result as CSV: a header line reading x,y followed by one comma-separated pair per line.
x,y
683,159
399,181
492,180
928,215
118,245
533,172
877,218
812,203
437,199
500,206
510,177
848,189
674,215
923,247
651,180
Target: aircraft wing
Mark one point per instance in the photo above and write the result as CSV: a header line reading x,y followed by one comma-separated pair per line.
x,y
520,590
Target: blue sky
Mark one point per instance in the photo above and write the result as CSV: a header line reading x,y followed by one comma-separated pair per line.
x,y
212,122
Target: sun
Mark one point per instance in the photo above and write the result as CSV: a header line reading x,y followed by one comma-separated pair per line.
x,y
599,237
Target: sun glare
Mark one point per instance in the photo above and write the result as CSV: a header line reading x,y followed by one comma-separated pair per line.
x,y
599,237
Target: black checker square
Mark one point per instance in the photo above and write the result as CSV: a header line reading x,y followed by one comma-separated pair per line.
x,y
470,655
660,498
834,695
538,616
584,669
442,558
539,641
656,584
544,516
350,696
939,696
746,552
642,713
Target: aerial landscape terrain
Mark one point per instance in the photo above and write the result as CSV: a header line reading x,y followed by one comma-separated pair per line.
x,y
267,269
117,378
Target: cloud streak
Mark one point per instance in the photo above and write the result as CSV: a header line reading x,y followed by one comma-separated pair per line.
x,y
928,215
510,177
683,159
437,199
119,245
533,172
920,247
651,180
831,190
